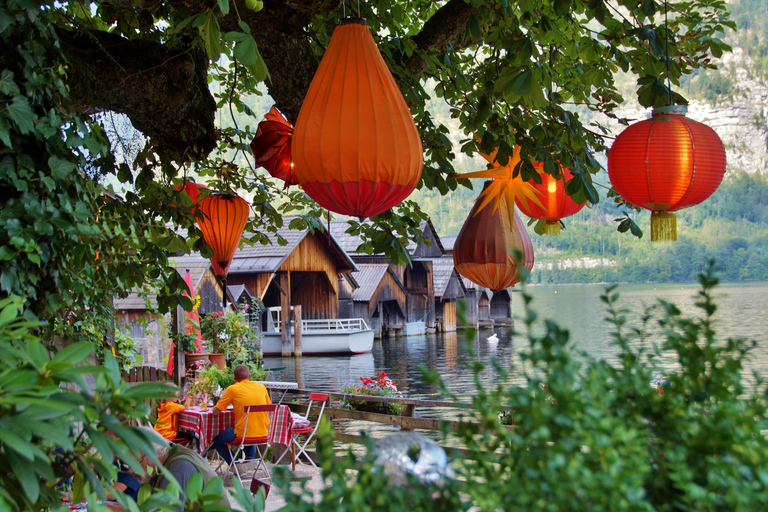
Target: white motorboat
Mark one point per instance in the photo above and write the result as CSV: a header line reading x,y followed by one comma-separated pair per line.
x,y
318,336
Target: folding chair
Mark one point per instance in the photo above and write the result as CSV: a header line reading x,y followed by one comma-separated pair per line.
x,y
321,399
261,444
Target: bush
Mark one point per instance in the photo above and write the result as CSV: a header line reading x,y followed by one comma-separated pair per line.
x,y
51,421
591,436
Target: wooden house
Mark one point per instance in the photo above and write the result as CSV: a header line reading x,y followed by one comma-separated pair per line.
x,y
137,317
416,278
305,271
449,287
501,308
379,298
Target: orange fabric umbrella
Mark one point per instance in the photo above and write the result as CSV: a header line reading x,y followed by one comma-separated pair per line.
x,y
356,148
271,147
493,246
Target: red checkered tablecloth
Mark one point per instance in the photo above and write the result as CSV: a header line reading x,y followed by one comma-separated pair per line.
x,y
206,426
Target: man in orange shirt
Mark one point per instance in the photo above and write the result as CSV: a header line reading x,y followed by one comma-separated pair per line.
x,y
243,392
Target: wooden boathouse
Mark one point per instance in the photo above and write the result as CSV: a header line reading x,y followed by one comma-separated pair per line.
x,y
417,278
449,287
304,271
379,298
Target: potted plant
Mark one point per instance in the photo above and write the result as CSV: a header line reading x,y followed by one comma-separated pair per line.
x,y
228,333
206,383
380,385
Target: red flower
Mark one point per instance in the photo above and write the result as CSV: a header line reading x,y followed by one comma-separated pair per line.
x,y
382,376
366,381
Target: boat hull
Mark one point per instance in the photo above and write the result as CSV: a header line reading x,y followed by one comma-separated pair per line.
x,y
321,343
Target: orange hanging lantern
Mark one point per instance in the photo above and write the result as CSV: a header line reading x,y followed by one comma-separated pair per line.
x,y
356,148
555,202
664,164
271,147
484,251
222,224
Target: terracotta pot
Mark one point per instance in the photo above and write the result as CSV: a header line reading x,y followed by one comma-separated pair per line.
x,y
190,358
219,360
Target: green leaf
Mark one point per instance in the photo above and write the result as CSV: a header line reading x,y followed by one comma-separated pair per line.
x,y
21,114
473,27
74,353
194,486
259,70
7,85
211,36
60,168
521,83
5,134
224,6
245,51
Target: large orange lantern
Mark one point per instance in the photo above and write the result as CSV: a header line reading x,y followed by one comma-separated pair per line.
x,y
222,224
555,201
666,163
489,243
356,149
271,146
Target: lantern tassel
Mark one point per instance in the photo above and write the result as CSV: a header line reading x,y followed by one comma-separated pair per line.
x,y
663,227
552,228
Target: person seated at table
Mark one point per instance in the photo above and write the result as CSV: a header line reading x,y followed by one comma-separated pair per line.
x,y
181,462
164,425
243,392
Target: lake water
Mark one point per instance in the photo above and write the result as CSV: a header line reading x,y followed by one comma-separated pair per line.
x,y
742,312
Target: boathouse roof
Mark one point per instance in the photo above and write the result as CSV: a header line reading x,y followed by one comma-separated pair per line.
x,y
267,258
448,283
350,243
369,276
136,299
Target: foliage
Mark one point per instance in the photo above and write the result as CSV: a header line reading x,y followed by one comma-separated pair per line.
x,y
379,385
228,333
598,437
52,420
126,352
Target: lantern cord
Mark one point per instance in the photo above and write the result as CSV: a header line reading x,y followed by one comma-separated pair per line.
x,y
666,51
344,7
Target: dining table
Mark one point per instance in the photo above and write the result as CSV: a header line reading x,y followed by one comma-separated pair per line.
x,y
206,426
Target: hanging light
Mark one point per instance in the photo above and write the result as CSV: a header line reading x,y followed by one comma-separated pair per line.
x,y
222,224
555,201
356,148
271,147
489,243
664,164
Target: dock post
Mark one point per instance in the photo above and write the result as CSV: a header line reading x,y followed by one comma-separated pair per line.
x,y
297,331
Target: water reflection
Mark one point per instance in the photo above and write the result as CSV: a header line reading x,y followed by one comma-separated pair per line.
x,y
741,313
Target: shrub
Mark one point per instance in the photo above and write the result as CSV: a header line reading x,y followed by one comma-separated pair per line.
x,y
598,437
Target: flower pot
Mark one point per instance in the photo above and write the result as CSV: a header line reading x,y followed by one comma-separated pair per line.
x,y
219,360
190,358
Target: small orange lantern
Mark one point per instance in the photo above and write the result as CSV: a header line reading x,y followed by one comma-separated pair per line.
x,y
555,202
356,148
484,251
224,218
664,164
271,147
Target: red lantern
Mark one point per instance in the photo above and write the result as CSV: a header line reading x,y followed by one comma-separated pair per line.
x,y
555,202
356,148
272,146
664,164
191,188
484,251
224,218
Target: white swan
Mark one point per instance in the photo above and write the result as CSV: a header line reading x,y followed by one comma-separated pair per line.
x,y
493,338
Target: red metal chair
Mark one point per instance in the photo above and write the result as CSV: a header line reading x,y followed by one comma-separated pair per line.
x,y
261,444
179,440
321,399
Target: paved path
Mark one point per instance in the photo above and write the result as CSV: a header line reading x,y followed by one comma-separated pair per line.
x,y
275,499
